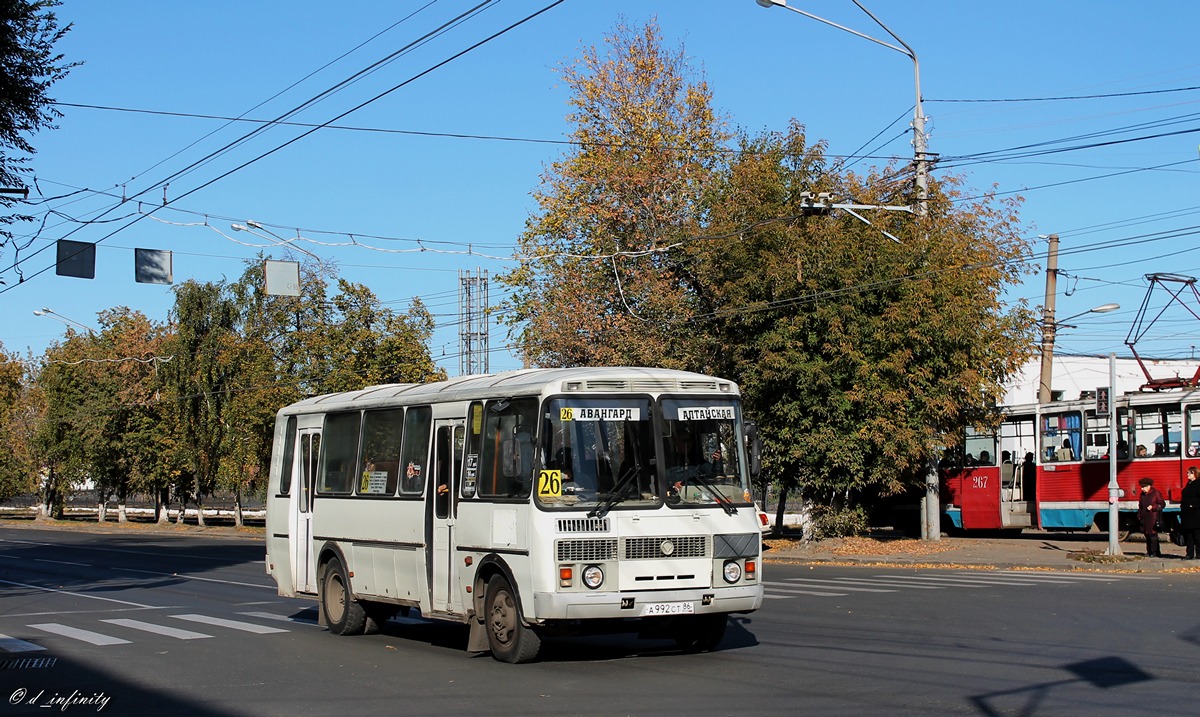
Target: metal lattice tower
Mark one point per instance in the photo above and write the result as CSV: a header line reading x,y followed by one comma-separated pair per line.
x,y
472,318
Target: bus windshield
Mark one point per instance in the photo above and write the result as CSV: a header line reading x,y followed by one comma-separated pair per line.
x,y
597,453
703,453
603,453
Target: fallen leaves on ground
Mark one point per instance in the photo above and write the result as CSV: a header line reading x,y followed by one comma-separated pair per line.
x,y
861,546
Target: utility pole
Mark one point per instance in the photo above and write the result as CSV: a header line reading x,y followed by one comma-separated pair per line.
x,y
472,320
1048,325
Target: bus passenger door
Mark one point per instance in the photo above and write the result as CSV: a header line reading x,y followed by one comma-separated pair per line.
x,y
443,506
303,567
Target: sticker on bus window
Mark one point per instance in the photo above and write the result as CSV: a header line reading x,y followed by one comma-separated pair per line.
x,y
373,482
549,484
600,413
706,413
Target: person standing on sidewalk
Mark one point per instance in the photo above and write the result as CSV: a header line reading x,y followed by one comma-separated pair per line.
x,y
1189,513
1150,506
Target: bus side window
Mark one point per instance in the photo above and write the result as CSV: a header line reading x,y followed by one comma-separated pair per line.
x,y
289,457
340,457
418,421
506,465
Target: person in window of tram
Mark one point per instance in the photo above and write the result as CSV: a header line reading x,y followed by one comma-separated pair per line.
x,y
1141,451
985,458
1189,513
1150,506
1122,450
1065,453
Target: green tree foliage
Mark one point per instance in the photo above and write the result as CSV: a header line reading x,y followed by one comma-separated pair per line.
x,y
28,67
861,348
18,413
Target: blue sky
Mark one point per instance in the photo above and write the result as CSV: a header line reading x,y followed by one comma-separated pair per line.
x,y
466,198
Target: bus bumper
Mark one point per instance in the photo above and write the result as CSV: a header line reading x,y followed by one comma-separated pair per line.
x,y
582,606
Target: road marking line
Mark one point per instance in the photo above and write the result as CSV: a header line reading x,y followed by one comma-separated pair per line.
x,y
1077,576
805,582
951,582
799,590
858,581
12,644
62,562
232,624
976,581
73,594
157,629
283,618
94,638
196,577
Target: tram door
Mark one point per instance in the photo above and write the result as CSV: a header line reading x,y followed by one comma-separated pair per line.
x,y
442,502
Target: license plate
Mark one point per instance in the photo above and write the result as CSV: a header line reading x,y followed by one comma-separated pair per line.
x,y
669,608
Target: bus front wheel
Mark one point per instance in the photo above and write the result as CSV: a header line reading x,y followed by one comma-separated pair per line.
x,y
700,633
343,614
509,639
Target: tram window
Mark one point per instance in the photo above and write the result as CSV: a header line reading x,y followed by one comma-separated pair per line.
x,y
1098,435
1193,424
340,461
1062,437
980,448
1159,430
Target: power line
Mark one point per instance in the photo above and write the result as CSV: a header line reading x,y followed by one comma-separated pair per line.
x,y
1074,97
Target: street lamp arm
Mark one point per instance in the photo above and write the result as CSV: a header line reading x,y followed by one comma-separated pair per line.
x,y
783,4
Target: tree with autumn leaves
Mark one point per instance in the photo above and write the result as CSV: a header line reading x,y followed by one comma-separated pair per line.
x,y
186,408
666,239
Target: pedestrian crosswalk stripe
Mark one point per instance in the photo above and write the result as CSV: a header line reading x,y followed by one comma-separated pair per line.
x,y
868,581
969,582
231,624
1077,576
283,618
810,583
158,629
12,644
75,633
799,590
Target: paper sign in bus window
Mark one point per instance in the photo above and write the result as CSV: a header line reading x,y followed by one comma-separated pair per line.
x,y
549,483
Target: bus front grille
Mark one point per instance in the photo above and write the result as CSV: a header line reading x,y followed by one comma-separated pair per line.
x,y
587,550
685,546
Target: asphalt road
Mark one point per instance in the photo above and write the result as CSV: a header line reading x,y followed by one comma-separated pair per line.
x,y
185,625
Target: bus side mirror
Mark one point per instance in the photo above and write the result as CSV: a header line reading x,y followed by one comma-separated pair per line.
x,y
510,457
754,449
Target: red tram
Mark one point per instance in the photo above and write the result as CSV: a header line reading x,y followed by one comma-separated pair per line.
x,y
1048,467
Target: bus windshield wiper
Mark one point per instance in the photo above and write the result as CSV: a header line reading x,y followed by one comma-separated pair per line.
x,y
616,495
722,501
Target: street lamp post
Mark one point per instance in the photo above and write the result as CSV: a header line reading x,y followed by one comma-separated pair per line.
x,y
920,146
70,322
1050,329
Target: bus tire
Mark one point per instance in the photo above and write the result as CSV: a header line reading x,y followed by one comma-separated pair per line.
x,y
343,614
377,616
701,633
509,639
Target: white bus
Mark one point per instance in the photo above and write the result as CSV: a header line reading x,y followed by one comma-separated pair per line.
x,y
522,504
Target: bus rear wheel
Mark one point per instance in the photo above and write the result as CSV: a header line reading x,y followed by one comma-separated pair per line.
x,y
700,633
509,639
343,614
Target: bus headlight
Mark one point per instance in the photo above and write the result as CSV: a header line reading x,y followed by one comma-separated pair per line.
x,y
593,576
732,572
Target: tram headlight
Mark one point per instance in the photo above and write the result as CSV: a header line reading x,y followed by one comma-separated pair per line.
x,y
593,576
732,571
